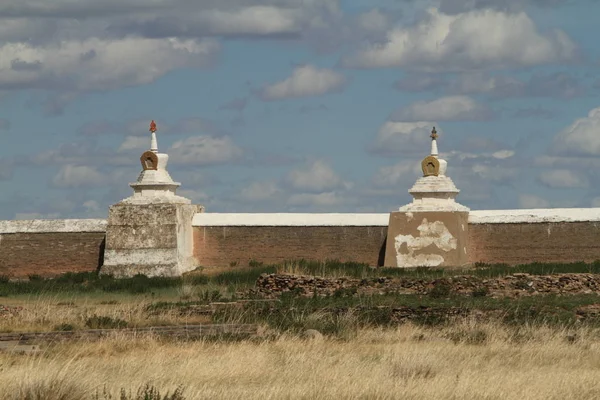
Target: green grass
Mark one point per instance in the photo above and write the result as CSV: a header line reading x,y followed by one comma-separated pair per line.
x,y
333,268
328,313
91,282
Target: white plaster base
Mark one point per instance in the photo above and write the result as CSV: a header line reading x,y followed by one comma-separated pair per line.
x,y
149,239
427,239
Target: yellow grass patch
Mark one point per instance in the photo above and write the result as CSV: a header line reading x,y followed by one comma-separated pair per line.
x,y
406,363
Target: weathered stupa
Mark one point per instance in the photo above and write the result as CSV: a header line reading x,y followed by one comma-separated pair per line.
x,y
150,232
431,231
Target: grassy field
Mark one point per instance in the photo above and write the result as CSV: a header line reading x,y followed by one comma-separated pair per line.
x,y
496,348
463,361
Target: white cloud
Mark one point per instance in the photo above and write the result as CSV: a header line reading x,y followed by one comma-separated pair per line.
x,y
528,201
557,84
403,138
203,150
305,81
582,137
99,64
134,143
274,18
452,108
72,176
315,177
258,191
563,178
91,206
312,199
494,173
467,41
503,154
403,172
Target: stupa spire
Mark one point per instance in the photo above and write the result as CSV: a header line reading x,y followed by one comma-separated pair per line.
x,y
153,141
434,148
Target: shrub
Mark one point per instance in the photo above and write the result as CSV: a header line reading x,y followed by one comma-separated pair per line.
x,y
197,279
482,291
105,322
146,392
209,296
468,336
64,328
440,289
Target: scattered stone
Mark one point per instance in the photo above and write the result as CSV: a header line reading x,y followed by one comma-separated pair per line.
x,y
312,334
515,285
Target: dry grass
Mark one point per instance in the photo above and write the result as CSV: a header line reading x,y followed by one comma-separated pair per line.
x,y
466,361
47,312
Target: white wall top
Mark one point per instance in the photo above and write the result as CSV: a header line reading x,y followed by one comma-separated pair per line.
x,y
289,219
53,225
534,216
475,217
306,219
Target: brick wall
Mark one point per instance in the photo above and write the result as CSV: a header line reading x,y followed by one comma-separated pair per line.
x,y
495,236
219,246
49,254
517,243
49,248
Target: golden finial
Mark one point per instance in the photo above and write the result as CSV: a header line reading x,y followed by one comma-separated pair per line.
x,y
152,126
434,134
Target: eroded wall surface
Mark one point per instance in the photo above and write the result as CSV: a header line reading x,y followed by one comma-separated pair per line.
x,y
50,247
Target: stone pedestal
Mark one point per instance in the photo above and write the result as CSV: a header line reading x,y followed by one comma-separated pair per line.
x,y
427,239
149,239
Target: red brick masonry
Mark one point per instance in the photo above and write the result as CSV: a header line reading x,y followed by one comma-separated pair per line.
x,y
224,245
521,243
49,254
48,248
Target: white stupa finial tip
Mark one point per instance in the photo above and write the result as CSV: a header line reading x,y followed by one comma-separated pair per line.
x,y
153,141
434,136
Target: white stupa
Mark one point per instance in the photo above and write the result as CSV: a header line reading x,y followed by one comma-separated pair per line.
x,y
434,191
154,184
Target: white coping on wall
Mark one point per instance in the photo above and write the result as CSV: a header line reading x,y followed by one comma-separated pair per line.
x,y
306,219
53,225
535,216
289,219
475,217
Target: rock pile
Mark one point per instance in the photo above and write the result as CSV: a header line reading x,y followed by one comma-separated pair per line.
x,y
515,285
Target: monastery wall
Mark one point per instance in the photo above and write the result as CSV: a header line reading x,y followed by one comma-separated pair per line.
x,y
51,247
526,236
221,240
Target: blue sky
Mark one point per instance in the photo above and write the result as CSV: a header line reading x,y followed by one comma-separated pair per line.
x,y
298,105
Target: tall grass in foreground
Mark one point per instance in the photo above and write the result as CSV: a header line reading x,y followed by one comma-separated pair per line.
x,y
465,361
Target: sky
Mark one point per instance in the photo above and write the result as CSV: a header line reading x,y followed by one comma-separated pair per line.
x,y
298,105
